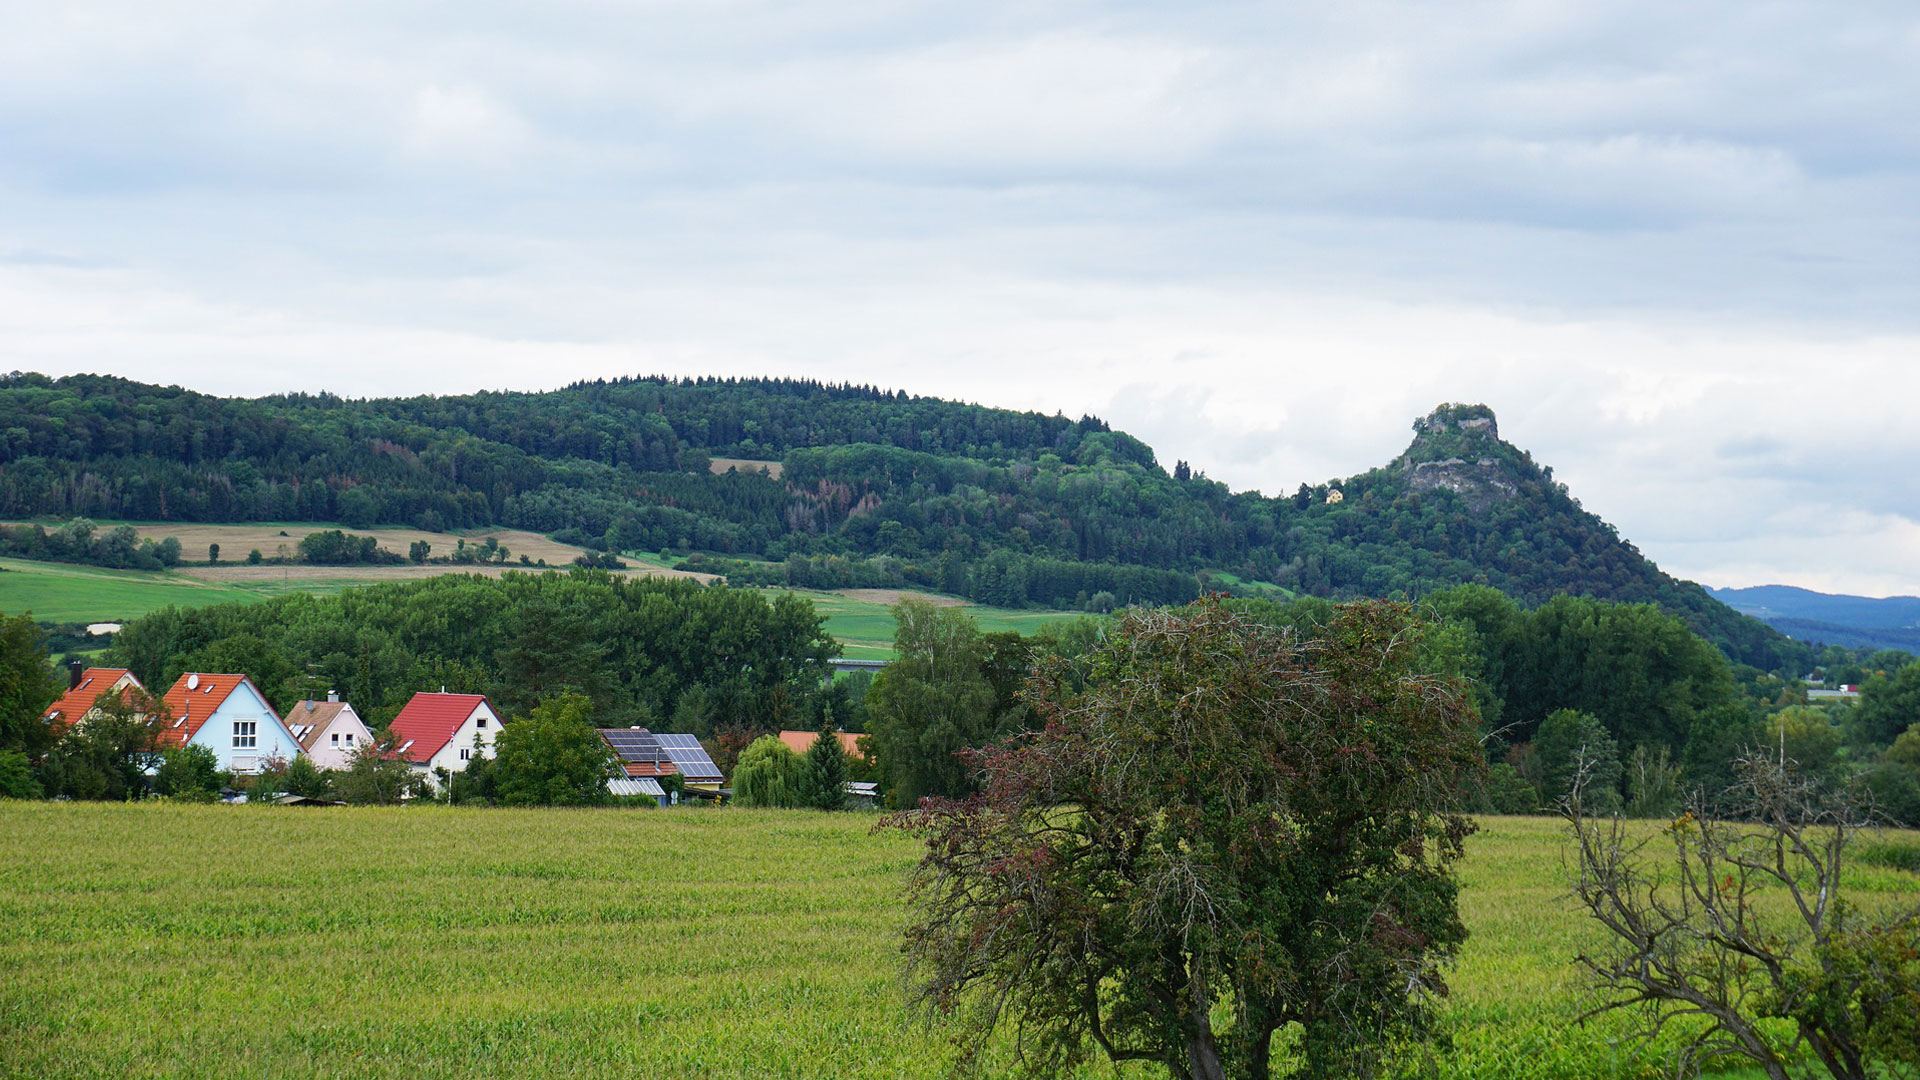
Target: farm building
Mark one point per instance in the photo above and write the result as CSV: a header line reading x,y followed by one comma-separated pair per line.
x,y
228,715
445,731
329,731
85,688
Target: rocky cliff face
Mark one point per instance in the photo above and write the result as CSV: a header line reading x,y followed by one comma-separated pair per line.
x,y
1457,448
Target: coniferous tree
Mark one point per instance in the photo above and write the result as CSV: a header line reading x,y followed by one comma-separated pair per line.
x,y
827,768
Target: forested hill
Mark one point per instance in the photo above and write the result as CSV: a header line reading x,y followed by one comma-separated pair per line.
x,y
878,488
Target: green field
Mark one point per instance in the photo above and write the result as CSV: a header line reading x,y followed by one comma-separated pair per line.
x,y
865,627
183,941
57,592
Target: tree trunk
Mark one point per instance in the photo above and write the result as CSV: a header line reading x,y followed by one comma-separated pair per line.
x,y
1203,1057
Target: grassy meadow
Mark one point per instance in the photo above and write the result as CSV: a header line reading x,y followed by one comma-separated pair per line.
x,y
160,940
63,592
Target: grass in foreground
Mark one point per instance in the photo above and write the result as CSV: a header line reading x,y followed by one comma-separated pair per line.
x,y
155,940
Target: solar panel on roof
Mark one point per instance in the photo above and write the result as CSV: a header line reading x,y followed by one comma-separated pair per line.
x,y
689,757
634,744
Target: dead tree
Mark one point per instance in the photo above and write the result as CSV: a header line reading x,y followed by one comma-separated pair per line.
x,y
1742,928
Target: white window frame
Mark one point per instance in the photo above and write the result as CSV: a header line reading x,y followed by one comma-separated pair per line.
x,y
334,737
246,734
466,753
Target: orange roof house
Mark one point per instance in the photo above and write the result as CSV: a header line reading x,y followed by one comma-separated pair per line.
x,y
802,741
227,714
84,692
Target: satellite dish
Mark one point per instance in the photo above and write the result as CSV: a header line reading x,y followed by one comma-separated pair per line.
x,y
193,682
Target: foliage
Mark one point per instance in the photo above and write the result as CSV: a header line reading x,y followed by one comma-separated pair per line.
x,y
1751,923
27,687
931,703
331,547
1231,830
107,757
188,772
16,777
376,775
1572,745
554,756
640,644
80,541
305,780
769,774
827,769
1889,704
879,488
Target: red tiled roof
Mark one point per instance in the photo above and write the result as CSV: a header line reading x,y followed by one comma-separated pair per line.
x,y
649,768
430,720
80,700
802,741
187,709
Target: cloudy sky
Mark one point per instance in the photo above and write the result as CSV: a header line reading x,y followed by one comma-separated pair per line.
x,y
1675,246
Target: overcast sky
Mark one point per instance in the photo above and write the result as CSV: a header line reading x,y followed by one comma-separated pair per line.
x,y
1675,246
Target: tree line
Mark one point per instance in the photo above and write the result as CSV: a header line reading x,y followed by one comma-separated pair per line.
x,y
994,503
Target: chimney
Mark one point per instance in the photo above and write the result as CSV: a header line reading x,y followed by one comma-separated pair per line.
x,y
333,695
75,672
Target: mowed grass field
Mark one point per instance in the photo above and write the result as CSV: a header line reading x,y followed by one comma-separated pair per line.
x,y
185,941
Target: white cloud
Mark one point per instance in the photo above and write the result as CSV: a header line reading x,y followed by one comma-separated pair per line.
x,y
1673,245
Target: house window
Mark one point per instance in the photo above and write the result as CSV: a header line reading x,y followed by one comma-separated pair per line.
x,y
349,738
466,754
245,734
336,738
480,721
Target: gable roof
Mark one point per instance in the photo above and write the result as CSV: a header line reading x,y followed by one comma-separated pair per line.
x,y
190,706
429,722
77,702
309,718
802,741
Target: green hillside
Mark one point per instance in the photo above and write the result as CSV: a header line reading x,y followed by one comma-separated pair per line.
x,y
877,489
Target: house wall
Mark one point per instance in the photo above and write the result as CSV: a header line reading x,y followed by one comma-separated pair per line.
x,y
271,737
344,734
449,758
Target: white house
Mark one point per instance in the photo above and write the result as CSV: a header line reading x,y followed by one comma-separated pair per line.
x,y
228,715
329,731
444,731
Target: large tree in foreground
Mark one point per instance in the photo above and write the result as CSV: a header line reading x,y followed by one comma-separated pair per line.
x,y
1230,830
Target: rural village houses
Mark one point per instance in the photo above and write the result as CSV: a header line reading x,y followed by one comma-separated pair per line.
x,y
329,731
444,731
85,688
228,715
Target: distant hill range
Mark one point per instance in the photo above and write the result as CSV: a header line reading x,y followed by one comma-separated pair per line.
x,y
1824,618
874,488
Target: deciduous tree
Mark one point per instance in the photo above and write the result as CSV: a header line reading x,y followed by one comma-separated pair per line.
x,y
553,756
1232,829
